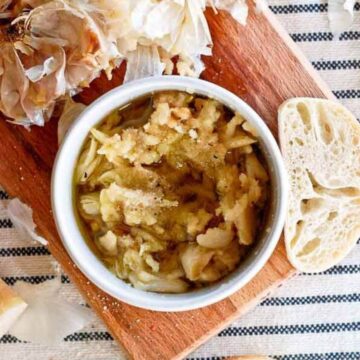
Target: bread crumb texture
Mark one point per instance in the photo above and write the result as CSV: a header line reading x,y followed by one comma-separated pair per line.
x,y
320,142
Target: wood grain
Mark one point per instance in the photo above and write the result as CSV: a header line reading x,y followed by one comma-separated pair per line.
x,y
261,65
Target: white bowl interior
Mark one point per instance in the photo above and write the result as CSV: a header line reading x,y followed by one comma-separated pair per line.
x,y
92,267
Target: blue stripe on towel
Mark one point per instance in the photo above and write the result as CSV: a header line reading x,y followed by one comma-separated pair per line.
x,y
349,64
79,336
5,224
324,356
291,329
324,36
307,300
24,251
37,279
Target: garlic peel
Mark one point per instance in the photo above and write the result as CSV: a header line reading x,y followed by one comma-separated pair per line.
x,y
143,62
48,318
60,46
21,216
340,14
70,112
237,8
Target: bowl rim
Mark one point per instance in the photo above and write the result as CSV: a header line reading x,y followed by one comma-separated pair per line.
x,y
65,218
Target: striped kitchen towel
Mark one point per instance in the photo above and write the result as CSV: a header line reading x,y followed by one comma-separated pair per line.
x,y
311,317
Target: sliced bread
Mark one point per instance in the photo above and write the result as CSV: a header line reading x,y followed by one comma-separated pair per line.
x,y
320,142
11,307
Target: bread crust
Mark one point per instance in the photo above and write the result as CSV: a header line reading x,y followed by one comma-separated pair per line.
x,y
11,307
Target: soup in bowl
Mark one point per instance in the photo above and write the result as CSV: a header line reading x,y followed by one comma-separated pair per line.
x,y
173,193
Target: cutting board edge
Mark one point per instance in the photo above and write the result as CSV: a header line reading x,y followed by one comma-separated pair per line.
x,y
241,311
323,86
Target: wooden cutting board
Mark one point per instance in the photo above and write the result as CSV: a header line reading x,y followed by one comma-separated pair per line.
x,y
260,64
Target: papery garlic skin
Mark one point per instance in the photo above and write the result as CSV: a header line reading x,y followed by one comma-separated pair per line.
x,y
237,8
48,318
61,50
21,216
341,15
60,46
70,112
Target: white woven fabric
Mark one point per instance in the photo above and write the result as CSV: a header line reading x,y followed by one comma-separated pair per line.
x,y
312,317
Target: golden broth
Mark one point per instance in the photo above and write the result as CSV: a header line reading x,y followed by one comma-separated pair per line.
x,y
170,191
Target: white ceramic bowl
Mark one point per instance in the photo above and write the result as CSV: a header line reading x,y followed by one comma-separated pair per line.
x,y
92,267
